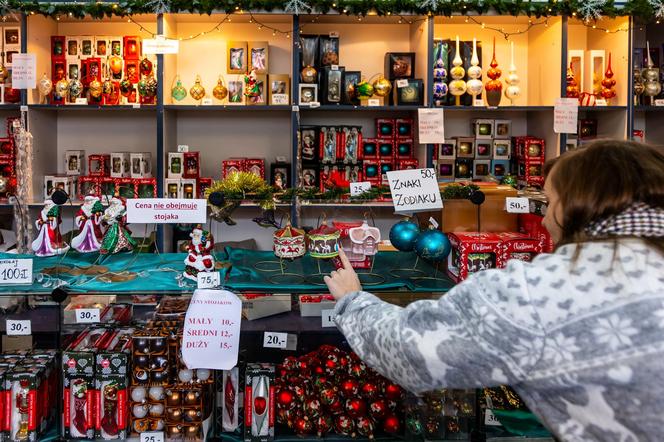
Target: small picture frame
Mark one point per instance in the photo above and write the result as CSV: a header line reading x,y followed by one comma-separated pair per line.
x,y
465,147
237,57
74,162
279,89
9,57
481,169
309,143
280,176
309,177
447,150
12,36
175,166
503,129
258,56
445,169
308,94
483,129
351,78
399,65
235,92
411,94
502,149
483,149
261,98
500,168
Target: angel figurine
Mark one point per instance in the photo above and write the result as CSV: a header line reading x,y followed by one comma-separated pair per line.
x,y
199,257
88,221
117,237
49,241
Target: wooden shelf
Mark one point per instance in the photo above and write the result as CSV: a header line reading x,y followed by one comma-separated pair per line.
x,y
351,108
87,107
227,107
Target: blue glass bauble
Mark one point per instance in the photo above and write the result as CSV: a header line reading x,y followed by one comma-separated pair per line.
x,y
403,235
385,149
371,171
369,149
433,245
404,149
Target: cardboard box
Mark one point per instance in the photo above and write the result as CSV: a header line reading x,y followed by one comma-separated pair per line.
x,y
472,252
259,387
313,305
259,305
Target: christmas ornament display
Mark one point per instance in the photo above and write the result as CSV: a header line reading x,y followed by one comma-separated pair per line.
x,y
457,85
403,235
572,88
289,243
220,92
88,222
49,241
432,245
608,83
493,87
652,86
117,237
197,91
474,86
324,391
512,91
199,256
324,242
178,92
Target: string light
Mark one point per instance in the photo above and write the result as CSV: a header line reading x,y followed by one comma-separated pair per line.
x,y
506,34
261,25
216,27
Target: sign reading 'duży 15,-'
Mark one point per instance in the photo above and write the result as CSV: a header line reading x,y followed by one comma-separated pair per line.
x,y
166,211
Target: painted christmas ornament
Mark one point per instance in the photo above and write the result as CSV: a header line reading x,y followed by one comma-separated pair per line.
x,y
364,90
608,83
572,88
324,242
493,87
126,87
44,87
197,91
115,65
75,88
289,242
432,245
639,86
95,88
309,74
145,67
4,73
220,91
178,92
652,86
147,87
403,235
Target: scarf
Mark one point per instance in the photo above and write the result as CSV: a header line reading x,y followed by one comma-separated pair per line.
x,y
639,219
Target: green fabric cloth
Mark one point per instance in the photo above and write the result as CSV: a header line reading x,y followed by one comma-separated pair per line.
x,y
521,423
156,273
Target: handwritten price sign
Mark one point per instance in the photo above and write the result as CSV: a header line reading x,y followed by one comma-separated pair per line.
x,y
15,271
414,190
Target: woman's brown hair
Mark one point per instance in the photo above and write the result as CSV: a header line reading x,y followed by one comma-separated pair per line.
x,y
603,179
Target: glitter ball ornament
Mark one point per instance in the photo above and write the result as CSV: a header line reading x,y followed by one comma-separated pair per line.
x,y
220,92
126,87
95,88
349,387
286,399
457,85
493,87
303,426
404,234
356,407
344,425
365,427
391,424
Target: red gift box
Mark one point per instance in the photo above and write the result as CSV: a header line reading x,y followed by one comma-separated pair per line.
x,y
232,165
131,45
408,164
143,186
518,246
92,68
203,185
125,187
88,185
99,165
472,252
404,148
405,128
131,70
369,150
255,166
386,128
530,148
371,171
7,149
530,173
385,149
531,225
192,165
58,40
108,187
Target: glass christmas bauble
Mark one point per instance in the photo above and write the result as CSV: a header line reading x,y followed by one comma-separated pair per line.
x,y
220,91
95,88
4,73
75,88
509,180
382,87
45,86
125,87
308,74
364,90
145,68
178,92
403,235
432,245
440,90
107,87
115,64
147,87
62,88
197,91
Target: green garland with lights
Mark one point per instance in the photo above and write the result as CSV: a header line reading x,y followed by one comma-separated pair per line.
x,y
100,9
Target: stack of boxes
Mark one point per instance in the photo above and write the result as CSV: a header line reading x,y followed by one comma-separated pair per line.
x,y
8,159
530,161
183,178
240,164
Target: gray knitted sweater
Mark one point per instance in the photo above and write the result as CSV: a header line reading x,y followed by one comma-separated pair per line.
x,y
581,341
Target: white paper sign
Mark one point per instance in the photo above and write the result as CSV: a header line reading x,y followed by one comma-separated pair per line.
x,y
15,271
207,102
275,340
152,436
280,99
16,327
414,190
211,335
327,318
600,102
357,189
490,419
517,205
183,148
373,102
402,83
565,115
160,46
208,280
83,101
659,102
431,126
24,71
87,315
166,211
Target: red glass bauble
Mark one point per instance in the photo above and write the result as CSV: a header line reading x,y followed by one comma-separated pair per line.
x,y
336,406
145,67
344,425
327,395
393,391
331,366
378,409
323,425
370,390
285,399
303,426
356,407
358,369
12,95
392,424
365,426
290,363
318,370
349,387
312,407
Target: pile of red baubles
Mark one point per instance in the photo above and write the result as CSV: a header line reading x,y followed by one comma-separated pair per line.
x,y
330,390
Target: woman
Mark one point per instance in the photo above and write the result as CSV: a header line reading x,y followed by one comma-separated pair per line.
x,y
578,333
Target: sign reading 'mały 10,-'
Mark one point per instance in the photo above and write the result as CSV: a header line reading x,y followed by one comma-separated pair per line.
x,y
166,211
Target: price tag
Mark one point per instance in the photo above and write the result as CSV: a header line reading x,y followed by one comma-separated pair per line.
x,y
414,190
659,102
478,102
275,340
357,189
373,102
490,419
431,126
15,271
280,99
183,148
24,108
517,205
152,436
18,327
600,102
402,83
334,67
87,315
314,104
207,102
334,34
81,101
136,105
296,108
433,222
208,280
327,317
281,159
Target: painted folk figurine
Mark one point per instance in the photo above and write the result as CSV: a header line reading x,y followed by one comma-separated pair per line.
x,y
49,241
118,237
88,221
199,257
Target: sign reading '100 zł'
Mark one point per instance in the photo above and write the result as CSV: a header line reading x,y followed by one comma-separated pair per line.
x,y
414,190
166,211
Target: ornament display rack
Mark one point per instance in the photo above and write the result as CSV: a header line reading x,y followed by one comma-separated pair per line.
x,y
649,118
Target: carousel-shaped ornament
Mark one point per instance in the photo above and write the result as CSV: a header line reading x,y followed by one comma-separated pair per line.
x,y
88,222
289,242
199,254
49,241
324,242
117,237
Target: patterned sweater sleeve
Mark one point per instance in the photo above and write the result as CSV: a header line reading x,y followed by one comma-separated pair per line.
x,y
483,332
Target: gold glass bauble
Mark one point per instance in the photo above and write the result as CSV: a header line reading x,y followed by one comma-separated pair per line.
x,y
107,87
4,73
115,64
95,88
62,88
309,74
220,91
45,86
382,87
197,91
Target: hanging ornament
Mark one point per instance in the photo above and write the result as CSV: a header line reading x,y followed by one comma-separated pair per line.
x,y
62,89
178,92
370,390
349,387
403,235
393,391
308,74
382,86
220,92
44,87
378,409
512,91
289,243
115,65
75,89
440,88
494,87
364,90
145,67
457,85
652,86
285,399
197,91
608,92
474,86
432,245
324,242
126,87
147,87
572,89
95,88
591,9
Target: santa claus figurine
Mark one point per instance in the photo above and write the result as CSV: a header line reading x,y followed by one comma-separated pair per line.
x,y
199,257
88,221
117,237
49,241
